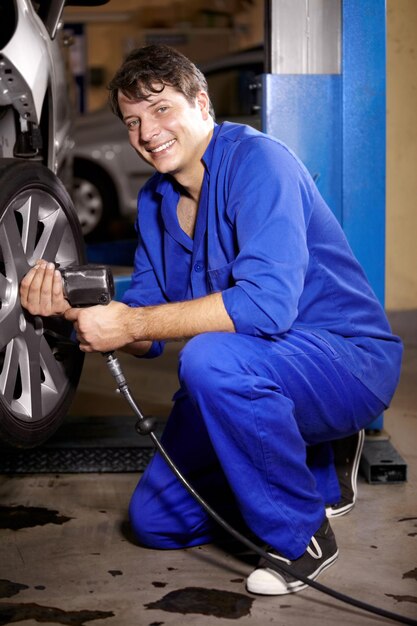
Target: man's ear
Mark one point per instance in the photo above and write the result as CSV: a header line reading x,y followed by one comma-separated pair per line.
x,y
203,102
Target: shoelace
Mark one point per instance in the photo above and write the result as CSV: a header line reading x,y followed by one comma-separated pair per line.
x,y
319,552
315,555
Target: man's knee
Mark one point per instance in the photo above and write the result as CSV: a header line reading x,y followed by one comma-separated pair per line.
x,y
142,522
165,528
151,527
204,361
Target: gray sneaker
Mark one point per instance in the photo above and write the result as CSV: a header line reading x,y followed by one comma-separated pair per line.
x,y
347,455
321,552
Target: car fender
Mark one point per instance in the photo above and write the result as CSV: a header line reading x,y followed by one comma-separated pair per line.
x,y
23,76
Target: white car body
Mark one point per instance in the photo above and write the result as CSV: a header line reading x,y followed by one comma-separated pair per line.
x,y
33,80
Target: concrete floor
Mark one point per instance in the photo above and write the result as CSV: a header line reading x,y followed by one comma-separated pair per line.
x,y
67,555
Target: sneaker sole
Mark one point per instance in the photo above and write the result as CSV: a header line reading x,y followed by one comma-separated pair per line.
x,y
332,512
294,587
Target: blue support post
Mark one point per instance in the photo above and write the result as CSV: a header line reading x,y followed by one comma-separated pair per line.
x,y
304,111
364,145
364,138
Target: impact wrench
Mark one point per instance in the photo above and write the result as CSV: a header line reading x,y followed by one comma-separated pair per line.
x,y
88,285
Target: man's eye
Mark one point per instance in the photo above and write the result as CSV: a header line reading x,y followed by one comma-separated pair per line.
x,y
162,109
131,124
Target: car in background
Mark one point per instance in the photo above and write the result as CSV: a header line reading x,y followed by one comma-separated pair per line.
x,y
40,362
108,173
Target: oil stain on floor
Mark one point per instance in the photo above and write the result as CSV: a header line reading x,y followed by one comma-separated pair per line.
x,y
11,613
8,588
215,602
17,517
399,598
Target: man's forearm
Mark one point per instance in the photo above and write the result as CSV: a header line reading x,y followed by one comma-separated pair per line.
x,y
118,326
180,320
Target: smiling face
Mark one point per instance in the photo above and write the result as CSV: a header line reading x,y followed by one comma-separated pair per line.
x,y
169,132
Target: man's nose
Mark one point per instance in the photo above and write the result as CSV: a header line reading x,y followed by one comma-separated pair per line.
x,y
148,129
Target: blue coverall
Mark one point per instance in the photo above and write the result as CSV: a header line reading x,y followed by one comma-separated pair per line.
x,y
313,358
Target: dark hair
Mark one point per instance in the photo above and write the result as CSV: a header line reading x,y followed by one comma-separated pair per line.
x,y
149,69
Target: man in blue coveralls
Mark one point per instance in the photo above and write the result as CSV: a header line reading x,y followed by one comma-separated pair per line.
x,y
289,348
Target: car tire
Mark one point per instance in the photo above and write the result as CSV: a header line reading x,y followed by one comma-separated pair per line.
x,y
95,201
40,362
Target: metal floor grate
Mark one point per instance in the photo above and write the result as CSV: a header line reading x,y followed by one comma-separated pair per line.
x,y
82,445
74,461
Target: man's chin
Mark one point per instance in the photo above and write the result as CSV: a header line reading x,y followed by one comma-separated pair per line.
x,y
164,167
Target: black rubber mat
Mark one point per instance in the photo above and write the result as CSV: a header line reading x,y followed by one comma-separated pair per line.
x,y
81,445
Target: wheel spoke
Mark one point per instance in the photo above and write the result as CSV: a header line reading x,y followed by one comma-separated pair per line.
x,y
9,371
30,215
9,328
4,285
30,400
49,243
11,246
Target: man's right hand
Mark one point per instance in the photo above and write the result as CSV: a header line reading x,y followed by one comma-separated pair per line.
x,y
41,290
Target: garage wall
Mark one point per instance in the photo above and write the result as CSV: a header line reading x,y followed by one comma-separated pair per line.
x,y
401,255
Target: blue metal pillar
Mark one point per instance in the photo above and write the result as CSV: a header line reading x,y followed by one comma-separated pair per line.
x,y
363,122
304,111
336,125
364,138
